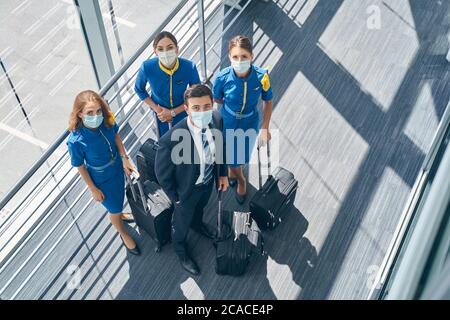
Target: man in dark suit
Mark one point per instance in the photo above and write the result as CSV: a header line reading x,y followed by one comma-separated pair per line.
x,y
190,157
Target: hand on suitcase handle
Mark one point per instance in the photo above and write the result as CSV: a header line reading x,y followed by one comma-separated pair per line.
x,y
141,190
130,183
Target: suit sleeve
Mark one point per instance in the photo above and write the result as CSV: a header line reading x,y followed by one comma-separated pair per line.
x,y
165,170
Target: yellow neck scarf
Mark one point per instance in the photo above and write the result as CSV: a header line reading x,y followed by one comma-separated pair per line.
x,y
170,72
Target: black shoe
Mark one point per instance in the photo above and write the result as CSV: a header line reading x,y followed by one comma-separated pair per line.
x,y
232,182
130,220
206,231
135,251
189,265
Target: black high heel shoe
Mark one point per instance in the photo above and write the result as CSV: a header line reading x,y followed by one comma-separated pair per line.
x,y
135,251
129,220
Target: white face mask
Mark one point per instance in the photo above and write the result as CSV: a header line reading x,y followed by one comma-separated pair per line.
x,y
202,119
167,58
241,66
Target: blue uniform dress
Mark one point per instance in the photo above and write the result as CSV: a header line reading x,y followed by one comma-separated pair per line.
x,y
97,150
167,86
239,110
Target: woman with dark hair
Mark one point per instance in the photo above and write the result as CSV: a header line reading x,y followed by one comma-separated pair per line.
x,y
97,151
168,76
239,88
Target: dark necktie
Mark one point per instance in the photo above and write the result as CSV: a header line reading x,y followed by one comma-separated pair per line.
x,y
209,163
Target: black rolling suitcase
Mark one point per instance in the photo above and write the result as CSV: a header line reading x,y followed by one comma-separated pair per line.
x,y
238,237
152,210
145,160
273,199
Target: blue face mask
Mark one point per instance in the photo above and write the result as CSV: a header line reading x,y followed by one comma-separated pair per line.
x,y
241,66
202,119
93,122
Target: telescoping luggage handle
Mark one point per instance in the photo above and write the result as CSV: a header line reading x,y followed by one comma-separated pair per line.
x,y
132,180
157,128
219,215
259,163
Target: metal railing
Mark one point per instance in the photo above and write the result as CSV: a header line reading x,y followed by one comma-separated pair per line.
x,y
140,130
413,209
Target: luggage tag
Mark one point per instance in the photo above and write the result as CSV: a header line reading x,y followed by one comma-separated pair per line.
x,y
240,223
135,175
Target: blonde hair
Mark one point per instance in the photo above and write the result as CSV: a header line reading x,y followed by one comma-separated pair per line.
x,y
81,100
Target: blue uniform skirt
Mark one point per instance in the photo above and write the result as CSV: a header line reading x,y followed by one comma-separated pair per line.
x,y
240,136
111,181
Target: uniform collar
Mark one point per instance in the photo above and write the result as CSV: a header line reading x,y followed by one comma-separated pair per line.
x,y
170,72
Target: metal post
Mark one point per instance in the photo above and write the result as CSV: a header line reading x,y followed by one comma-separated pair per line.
x,y
202,38
118,42
96,40
94,33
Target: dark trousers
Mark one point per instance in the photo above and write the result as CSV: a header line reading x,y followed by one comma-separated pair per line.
x,y
189,214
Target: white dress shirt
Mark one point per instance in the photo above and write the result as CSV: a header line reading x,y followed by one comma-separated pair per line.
x,y
196,134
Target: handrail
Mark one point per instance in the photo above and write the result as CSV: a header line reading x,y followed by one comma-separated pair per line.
x,y
73,183
36,189
76,179
188,42
49,171
134,109
415,257
55,226
14,213
226,29
60,238
51,149
410,207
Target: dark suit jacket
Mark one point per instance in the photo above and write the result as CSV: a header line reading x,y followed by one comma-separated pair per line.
x,y
178,179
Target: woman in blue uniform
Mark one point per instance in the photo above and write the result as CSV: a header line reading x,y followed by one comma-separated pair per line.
x,y
238,88
97,151
168,76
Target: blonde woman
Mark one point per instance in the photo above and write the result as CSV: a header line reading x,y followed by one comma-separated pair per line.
x,y
97,151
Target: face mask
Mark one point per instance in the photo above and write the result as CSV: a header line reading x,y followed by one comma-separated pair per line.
x,y
202,119
93,122
167,58
241,66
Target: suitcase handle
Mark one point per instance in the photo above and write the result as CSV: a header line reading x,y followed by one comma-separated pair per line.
x,y
219,215
259,163
158,135
131,182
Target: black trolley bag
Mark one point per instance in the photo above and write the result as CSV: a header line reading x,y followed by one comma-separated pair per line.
x,y
238,237
273,199
145,160
152,210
